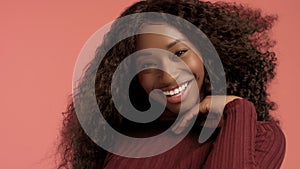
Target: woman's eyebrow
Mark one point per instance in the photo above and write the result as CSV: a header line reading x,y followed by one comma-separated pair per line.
x,y
145,53
173,43
142,55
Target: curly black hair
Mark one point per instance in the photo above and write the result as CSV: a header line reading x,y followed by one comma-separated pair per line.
x,y
239,34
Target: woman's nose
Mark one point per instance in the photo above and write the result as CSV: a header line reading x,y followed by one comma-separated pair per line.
x,y
169,69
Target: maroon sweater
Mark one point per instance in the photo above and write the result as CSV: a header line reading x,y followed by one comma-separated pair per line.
x,y
241,142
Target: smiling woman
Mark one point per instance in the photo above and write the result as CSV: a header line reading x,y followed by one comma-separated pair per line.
x,y
180,68
169,68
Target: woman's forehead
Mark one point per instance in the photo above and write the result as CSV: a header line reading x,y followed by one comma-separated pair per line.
x,y
167,33
161,29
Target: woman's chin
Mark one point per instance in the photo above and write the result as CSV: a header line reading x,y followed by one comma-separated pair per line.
x,y
177,109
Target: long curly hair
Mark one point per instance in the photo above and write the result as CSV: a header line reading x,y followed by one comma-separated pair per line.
x,y
239,34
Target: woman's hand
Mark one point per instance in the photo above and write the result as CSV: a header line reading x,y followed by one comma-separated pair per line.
x,y
219,102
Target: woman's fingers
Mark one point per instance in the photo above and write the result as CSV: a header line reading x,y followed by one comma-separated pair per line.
x,y
204,105
213,104
185,120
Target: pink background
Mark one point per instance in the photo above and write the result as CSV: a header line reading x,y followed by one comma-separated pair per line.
x,y
39,44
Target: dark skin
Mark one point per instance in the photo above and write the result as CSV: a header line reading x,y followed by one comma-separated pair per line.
x,y
176,74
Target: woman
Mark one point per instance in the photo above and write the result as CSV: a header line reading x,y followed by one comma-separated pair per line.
x,y
247,136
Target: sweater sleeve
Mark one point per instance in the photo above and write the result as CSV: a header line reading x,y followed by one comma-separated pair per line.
x,y
244,142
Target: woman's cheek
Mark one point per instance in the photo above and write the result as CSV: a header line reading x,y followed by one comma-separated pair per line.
x,y
146,83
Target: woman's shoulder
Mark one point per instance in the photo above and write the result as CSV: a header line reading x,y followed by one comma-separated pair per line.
x,y
244,110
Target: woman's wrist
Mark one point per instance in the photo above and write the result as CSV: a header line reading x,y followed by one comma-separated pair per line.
x,y
230,98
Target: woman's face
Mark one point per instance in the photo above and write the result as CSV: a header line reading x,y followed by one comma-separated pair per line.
x,y
168,63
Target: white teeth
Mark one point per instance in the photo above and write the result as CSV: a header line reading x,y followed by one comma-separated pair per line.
x,y
177,90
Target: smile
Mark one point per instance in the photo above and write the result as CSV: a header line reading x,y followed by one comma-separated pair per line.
x,y
177,90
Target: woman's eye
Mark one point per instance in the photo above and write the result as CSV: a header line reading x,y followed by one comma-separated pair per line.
x,y
181,52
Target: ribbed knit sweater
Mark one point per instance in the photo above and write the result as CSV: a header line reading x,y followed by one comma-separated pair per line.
x,y
241,142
